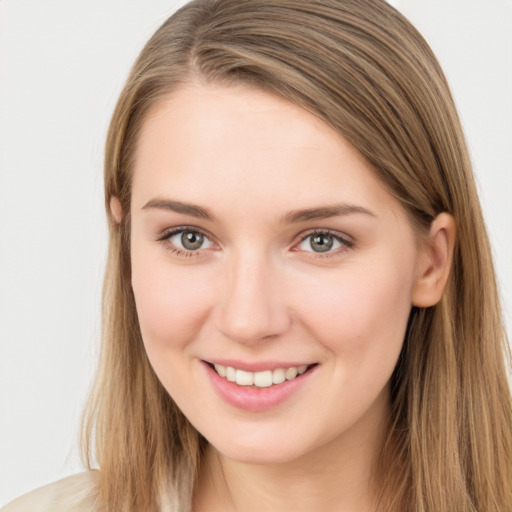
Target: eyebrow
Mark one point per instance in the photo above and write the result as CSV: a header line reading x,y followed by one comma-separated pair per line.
x,y
324,212
179,207
292,217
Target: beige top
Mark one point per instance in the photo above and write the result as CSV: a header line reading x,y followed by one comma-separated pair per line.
x,y
76,493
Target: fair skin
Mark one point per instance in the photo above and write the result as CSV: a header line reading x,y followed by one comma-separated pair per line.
x,y
262,241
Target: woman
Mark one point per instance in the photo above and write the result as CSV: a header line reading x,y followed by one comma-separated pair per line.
x,y
296,313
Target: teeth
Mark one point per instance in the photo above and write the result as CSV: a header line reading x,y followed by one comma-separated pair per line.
x,y
263,379
230,374
244,378
291,373
221,370
278,376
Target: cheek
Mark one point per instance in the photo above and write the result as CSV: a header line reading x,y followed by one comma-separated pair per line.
x,y
171,303
360,314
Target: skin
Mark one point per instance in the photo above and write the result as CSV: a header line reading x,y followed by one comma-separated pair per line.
x,y
257,290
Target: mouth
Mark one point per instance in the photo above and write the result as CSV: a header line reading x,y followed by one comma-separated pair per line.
x,y
260,379
264,388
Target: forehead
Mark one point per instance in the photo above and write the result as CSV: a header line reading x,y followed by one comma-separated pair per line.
x,y
224,146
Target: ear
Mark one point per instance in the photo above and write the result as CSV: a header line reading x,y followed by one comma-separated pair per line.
x,y
435,261
115,210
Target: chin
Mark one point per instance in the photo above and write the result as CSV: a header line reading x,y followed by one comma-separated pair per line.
x,y
266,451
257,456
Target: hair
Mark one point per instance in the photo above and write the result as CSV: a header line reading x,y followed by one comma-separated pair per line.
x,y
363,69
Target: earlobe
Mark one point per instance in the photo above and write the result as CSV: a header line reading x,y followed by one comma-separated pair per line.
x,y
435,262
115,210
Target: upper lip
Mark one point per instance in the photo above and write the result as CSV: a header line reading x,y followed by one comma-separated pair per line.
x,y
257,366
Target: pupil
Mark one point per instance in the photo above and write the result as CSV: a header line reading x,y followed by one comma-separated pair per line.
x,y
321,243
191,240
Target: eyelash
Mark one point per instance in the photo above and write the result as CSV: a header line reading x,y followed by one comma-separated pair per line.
x,y
345,243
166,239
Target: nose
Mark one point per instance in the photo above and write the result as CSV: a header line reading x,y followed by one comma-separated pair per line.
x,y
252,308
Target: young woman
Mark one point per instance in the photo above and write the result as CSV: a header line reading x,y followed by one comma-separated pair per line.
x,y
300,308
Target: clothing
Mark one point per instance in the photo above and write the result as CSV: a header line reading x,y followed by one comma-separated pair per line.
x,y
76,493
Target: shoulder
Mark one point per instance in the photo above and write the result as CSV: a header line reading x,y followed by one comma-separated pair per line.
x,y
76,493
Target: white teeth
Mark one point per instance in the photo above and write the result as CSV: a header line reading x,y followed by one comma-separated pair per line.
x,y
221,370
291,373
244,378
230,374
262,379
278,376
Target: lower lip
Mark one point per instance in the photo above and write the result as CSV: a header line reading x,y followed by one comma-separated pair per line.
x,y
255,399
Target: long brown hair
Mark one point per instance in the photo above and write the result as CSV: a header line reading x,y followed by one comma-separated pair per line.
x,y
361,67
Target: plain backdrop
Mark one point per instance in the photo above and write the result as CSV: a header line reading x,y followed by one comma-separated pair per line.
x,y
62,65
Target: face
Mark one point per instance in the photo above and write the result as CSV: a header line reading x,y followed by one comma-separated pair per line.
x,y
272,273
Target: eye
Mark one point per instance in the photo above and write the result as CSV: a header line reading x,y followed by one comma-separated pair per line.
x,y
323,242
186,240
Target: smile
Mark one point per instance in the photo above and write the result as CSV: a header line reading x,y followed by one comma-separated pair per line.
x,y
264,388
263,379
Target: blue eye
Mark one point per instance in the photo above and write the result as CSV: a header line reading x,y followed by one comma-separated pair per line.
x,y
188,240
322,242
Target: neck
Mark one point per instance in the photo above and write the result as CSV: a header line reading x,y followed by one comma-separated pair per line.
x,y
337,476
